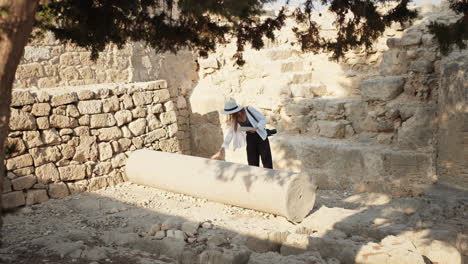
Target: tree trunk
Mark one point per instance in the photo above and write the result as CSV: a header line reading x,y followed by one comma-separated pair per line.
x,y
16,22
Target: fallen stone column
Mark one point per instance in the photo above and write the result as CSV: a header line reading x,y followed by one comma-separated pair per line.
x,y
291,195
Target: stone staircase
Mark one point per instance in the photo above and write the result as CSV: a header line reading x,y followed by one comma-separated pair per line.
x,y
345,142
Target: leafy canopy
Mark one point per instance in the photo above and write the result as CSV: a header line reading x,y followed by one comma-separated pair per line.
x,y
170,25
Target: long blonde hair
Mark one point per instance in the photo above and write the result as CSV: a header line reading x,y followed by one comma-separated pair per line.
x,y
232,118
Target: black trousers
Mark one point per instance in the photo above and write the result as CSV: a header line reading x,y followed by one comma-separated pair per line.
x,y
256,148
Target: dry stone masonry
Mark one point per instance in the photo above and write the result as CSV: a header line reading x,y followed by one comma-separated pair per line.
x,y
368,122
69,140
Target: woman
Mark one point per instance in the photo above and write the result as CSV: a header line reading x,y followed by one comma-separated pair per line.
x,y
247,127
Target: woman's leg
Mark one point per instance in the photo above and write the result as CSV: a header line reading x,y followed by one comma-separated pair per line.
x,y
265,153
252,150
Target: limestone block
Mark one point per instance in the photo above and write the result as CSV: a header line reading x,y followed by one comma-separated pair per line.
x,y
20,120
19,162
153,122
20,98
331,129
383,88
86,95
300,78
42,97
13,199
14,146
111,104
423,66
84,120
119,160
81,131
63,99
170,106
87,149
190,228
23,171
169,145
72,172
51,137
109,134
36,53
411,38
102,168
7,185
24,182
299,109
168,117
47,82
47,173
155,135
45,155
123,117
210,62
126,132
173,130
161,96
125,143
394,62
58,190
41,109
400,251
97,183
66,131
77,186
139,112
90,107
290,194
32,139
393,43
70,74
181,102
43,122
67,151
72,111
279,54
142,98
155,109
417,131
102,120
36,196
61,121
105,151
138,127
30,70
127,101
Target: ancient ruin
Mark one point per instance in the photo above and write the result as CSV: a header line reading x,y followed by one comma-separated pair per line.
x,y
384,134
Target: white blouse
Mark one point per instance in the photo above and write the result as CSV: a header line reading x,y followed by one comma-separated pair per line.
x,y
238,137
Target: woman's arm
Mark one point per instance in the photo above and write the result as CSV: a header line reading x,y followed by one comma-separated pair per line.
x,y
225,145
260,117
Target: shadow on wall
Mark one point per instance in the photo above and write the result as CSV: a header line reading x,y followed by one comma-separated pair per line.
x,y
363,228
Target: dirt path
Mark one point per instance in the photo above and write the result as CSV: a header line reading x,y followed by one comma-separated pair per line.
x,y
135,224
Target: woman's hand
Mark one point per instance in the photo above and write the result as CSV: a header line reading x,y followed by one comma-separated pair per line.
x,y
216,156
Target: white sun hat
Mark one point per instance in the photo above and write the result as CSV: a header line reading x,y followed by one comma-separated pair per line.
x,y
231,107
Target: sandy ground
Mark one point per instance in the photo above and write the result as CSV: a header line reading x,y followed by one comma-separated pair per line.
x,y
122,224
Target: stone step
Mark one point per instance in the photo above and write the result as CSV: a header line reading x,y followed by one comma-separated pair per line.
x,y
342,164
308,90
300,77
345,164
279,54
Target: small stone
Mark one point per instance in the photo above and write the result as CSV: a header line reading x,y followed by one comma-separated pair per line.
x,y
207,225
160,235
138,127
36,196
64,99
47,173
24,182
171,223
190,228
41,109
58,190
13,199
216,240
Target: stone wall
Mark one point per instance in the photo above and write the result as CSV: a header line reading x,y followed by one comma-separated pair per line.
x,y
383,102
453,122
69,140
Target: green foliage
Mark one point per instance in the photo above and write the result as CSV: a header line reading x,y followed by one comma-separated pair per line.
x,y
452,34
4,10
171,25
